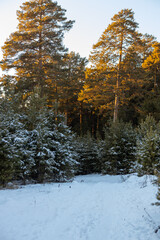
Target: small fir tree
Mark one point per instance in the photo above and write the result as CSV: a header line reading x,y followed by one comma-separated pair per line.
x,y
23,155
54,156
9,125
119,149
148,146
87,150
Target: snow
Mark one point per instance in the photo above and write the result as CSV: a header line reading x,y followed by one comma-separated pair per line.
x,y
92,207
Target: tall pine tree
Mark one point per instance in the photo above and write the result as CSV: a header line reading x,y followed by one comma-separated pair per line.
x,y
35,51
107,57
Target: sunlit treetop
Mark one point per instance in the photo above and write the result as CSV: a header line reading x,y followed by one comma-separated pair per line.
x,y
37,45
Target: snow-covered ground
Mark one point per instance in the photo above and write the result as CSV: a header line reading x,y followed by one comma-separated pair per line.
x,y
92,207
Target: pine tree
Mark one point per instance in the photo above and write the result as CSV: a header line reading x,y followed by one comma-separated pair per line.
x,y
50,142
36,50
119,149
152,65
34,145
148,146
146,45
9,126
72,83
23,154
88,158
7,167
106,59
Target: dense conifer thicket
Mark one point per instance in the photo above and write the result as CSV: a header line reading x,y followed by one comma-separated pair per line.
x,y
55,113
34,145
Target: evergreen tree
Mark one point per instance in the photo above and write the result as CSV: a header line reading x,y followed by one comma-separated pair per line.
x,y
107,57
23,154
36,50
50,142
148,146
7,165
119,149
9,126
74,75
152,66
150,104
134,84
88,158
146,46
34,145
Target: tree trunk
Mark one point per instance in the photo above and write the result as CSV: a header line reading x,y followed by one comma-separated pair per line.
x,y
155,80
116,106
66,114
80,119
56,104
40,54
116,101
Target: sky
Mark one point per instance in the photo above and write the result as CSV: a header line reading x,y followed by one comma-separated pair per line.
x,y
91,19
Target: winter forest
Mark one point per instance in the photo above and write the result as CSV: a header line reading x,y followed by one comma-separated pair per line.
x,y
79,138
62,115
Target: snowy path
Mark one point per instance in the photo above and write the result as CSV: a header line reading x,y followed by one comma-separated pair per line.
x,y
100,208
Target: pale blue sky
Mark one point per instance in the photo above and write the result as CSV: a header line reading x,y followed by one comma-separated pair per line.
x,y
91,16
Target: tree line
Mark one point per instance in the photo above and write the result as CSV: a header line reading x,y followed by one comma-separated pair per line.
x,y
36,146
52,98
120,82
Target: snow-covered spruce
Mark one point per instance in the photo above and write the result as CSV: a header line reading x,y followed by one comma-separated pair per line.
x,y
34,146
88,154
118,156
53,153
148,146
10,129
